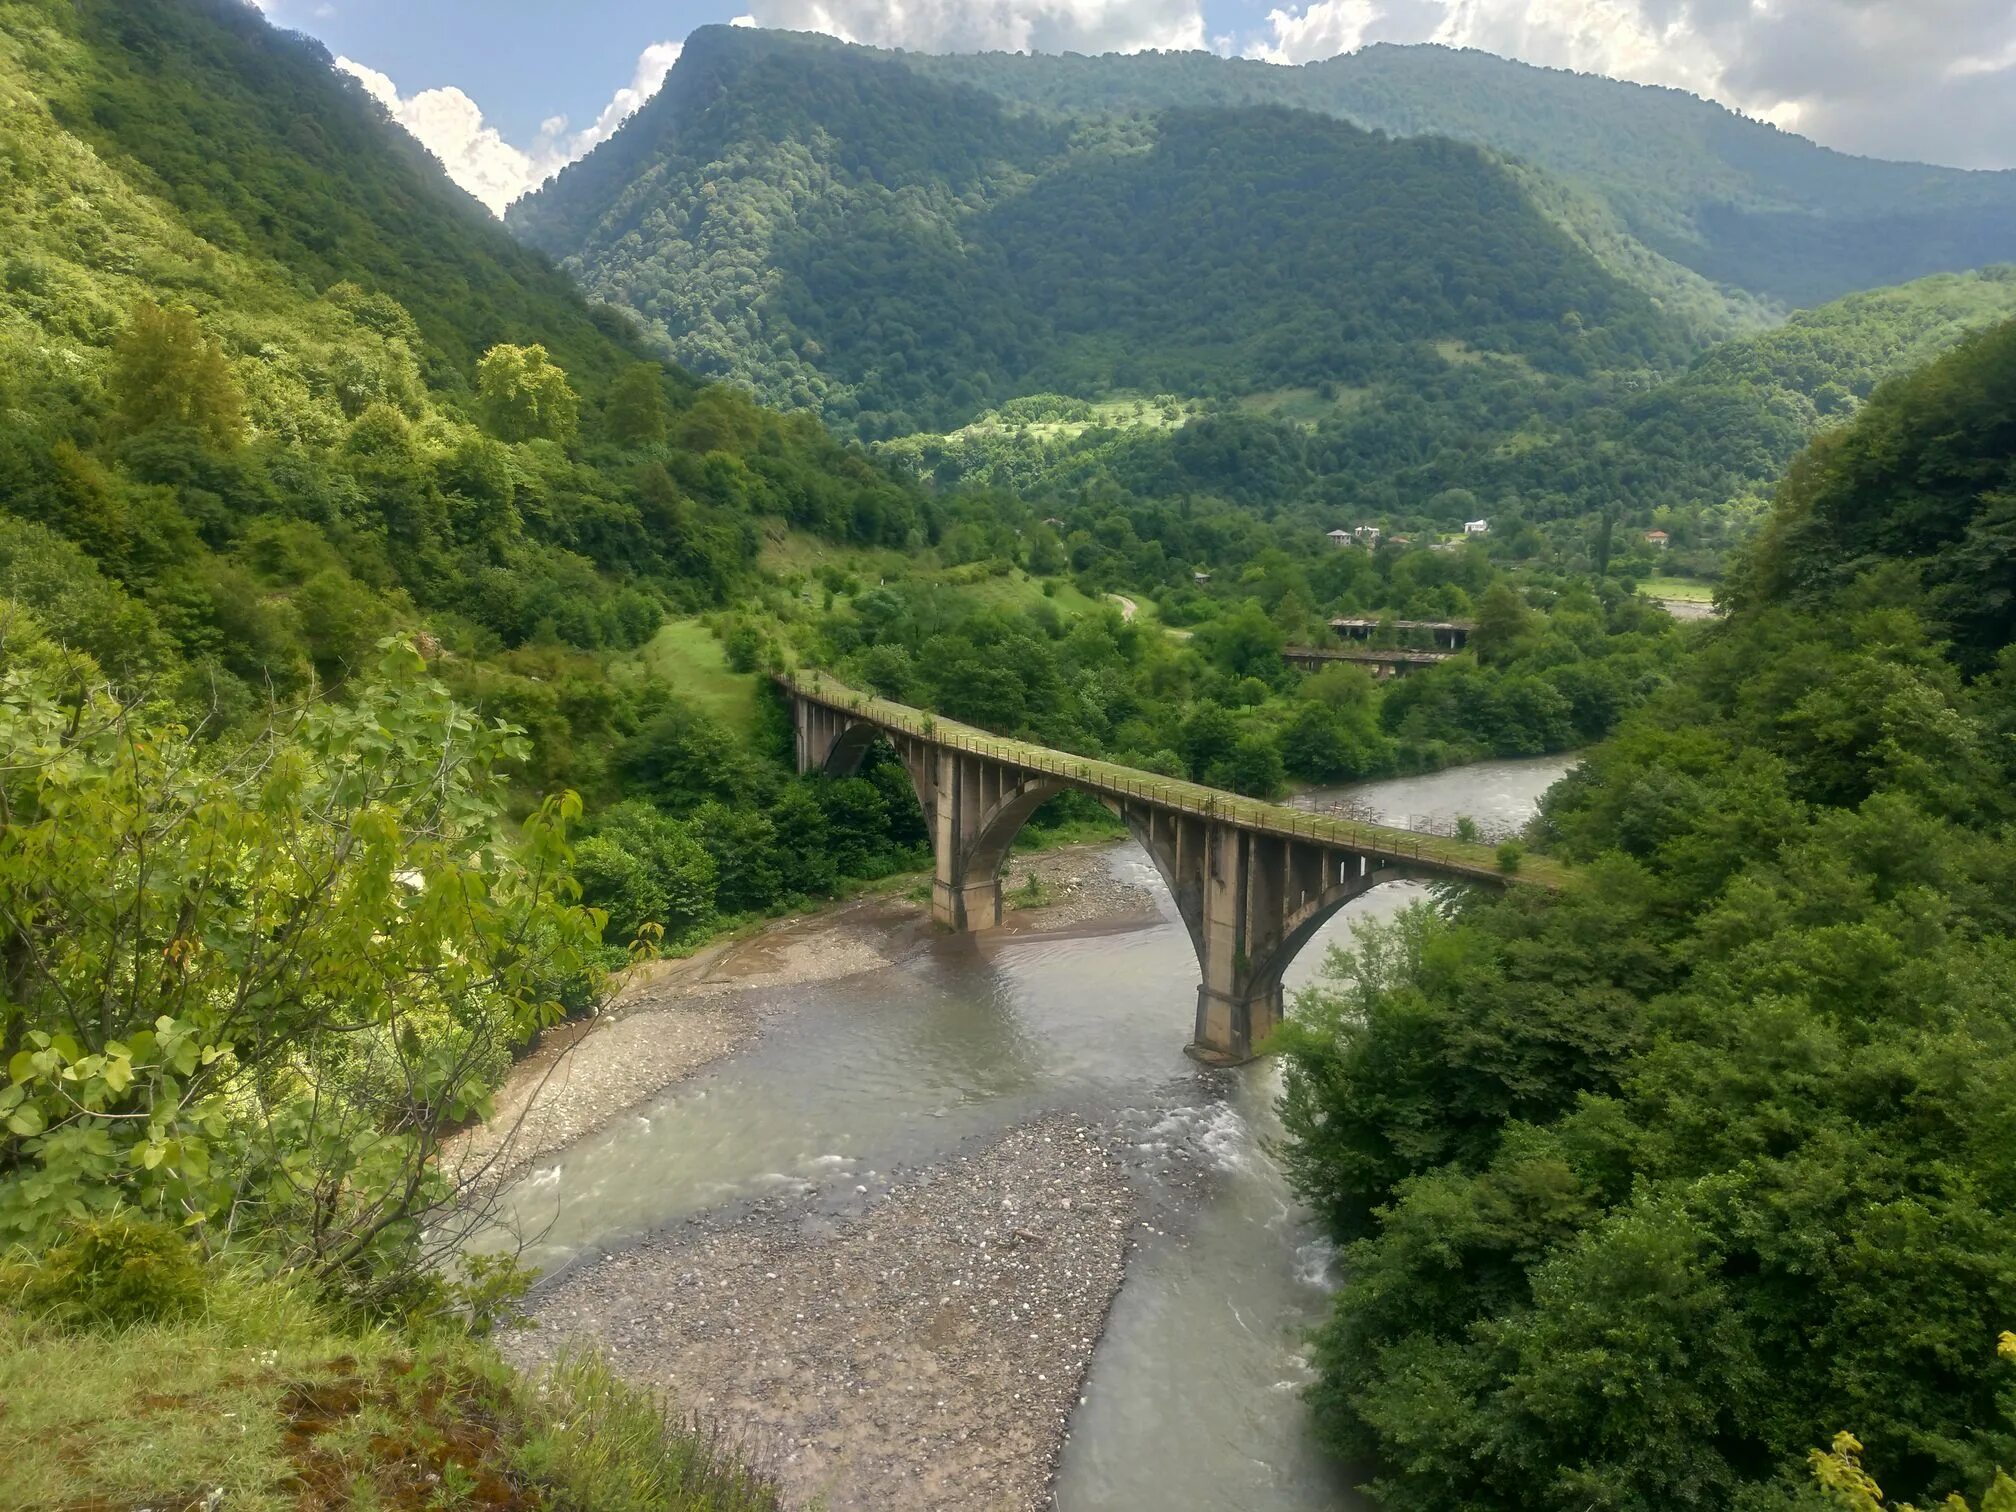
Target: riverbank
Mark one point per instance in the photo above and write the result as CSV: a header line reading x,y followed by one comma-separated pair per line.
x,y
669,1019
922,1351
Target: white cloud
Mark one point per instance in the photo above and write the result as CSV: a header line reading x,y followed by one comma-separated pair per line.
x,y
451,126
1089,26
1894,78
652,65
1321,30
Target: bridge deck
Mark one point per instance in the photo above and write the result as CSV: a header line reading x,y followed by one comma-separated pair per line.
x,y
1454,857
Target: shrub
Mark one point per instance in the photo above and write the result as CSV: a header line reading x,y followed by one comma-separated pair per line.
x,y
115,1272
1509,856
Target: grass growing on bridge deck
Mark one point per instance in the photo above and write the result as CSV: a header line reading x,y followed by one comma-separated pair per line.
x,y
1453,856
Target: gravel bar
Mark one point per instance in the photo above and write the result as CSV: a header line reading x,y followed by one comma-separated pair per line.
x,y
921,1354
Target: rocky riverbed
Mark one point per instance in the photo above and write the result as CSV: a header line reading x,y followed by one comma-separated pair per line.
x,y
909,1340
1076,888
921,1349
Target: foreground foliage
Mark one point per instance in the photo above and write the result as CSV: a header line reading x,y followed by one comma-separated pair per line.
x,y
249,1395
247,983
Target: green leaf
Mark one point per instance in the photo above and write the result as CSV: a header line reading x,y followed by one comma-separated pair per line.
x,y
26,1121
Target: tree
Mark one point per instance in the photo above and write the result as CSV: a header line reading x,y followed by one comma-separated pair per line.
x,y
1312,745
1503,620
247,986
642,867
1246,643
636,411
165,371
525,395
1253,768
683,757
1207,738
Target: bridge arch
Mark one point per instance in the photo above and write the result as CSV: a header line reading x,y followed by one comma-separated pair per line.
x,y
1357,876
851,745
1002,821
839,747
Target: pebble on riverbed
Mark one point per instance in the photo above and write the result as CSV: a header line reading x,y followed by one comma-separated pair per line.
x,y
924,1354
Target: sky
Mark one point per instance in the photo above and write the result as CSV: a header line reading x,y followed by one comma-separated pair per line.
x,y
507,92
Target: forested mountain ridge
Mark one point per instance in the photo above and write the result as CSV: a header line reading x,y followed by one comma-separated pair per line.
x,y
262,149
768,217
1738,201
275,387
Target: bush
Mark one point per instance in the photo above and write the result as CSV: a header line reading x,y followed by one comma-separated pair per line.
x,y
1509,856
114,1273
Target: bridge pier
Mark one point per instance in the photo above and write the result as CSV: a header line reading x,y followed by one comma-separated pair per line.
x,y
1252,889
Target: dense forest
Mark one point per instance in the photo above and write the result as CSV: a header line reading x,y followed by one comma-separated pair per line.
x,y
1736,202
901,280
1696,454
275,395
1151,276
1649,1191
383,639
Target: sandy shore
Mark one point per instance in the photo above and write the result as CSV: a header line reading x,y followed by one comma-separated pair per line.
x,y
667,1020
923,1354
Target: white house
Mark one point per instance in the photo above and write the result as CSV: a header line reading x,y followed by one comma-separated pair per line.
x,y
1476,527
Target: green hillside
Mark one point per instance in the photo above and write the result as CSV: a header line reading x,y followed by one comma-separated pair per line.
x,y
249,428
1149,275
1650,1195
770,220
1699,451
1736,201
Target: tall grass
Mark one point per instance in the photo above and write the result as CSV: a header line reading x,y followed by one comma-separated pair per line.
x,y
607,1446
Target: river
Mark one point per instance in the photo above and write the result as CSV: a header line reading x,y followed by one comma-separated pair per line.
x,y
1191,1400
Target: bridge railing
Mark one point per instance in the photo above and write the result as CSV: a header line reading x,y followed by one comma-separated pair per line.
x,y
1171,793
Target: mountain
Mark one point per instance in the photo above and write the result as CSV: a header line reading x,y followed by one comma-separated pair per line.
x,y
845,231
904,241
1735,200
275,388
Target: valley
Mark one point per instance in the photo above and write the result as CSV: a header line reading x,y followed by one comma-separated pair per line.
x,y
615,821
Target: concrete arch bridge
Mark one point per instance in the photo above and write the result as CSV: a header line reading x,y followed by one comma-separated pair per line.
x,y
1253,881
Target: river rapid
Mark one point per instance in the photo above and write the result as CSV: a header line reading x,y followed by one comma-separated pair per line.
x,y
1191,1401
